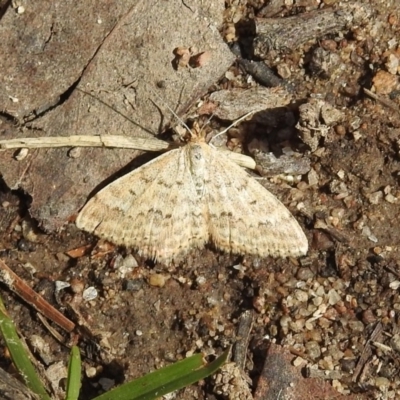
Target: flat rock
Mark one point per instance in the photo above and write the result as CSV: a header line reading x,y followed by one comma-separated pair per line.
x,y
123,56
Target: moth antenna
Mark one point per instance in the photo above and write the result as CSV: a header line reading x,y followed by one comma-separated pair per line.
x,y
116,111
230,126
173,113
209,120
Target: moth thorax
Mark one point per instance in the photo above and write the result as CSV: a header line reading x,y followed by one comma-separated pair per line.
x,y
197,165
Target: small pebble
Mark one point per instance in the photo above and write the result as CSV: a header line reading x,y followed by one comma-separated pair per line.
x,y
390,198
89,293
91,372
283,70
333,297
395,342
77,286
384,82
382,382
340,130
356,326
376,197
392,64
298,361
106,383
157,280
313,349
368,317
75,152
312,178
304,274
133,285
21,154
25,246
301,295
201,280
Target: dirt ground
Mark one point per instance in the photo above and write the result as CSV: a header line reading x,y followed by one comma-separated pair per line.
x,y
322,326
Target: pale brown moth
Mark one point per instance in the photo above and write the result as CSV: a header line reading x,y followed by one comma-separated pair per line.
x,y
186,198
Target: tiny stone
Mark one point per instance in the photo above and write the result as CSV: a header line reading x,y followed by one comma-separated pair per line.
x,y
376,197
341,174
382,382
312,178
324,323
384,82
157,305
390,198
340,130
377,250
60,285
89,294
157,280
284,322
301,295
327,363
283,70
229,76
356,326
17,228
333,297
368,317
394,285
348,364
28,231
259,303
331,314
337,212
130,261
357,135
303,274
75,152
298,361
366,231
77,286
395,342
25,245
21,154
313,349
106,383
317,301
230,35
314,335
138,332
91,372
392,64
133,285
331,115
355,123
201,280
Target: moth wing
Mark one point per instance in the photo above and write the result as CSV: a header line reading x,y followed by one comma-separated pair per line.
x,y
245,218
151,209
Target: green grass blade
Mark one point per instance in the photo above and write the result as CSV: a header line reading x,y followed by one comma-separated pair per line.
x,y
167,379
19,355
74,375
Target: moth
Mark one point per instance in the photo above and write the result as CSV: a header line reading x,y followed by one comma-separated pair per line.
x,y
186,198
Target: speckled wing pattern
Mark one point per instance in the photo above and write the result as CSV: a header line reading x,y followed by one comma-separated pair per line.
x,y
186,198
